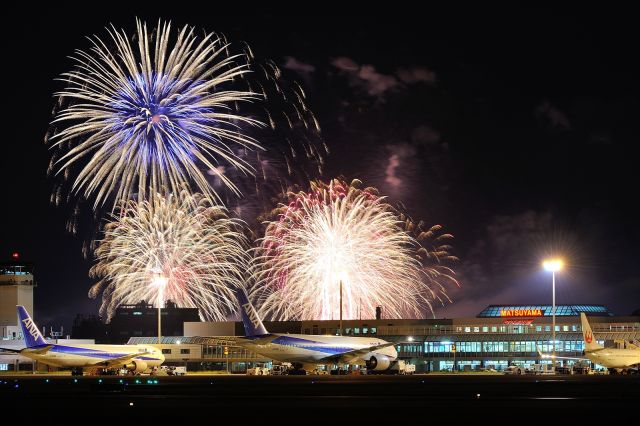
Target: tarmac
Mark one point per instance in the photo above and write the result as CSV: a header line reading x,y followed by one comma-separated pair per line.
x,y
366,397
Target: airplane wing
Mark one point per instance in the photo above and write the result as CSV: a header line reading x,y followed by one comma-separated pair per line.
x,y
11,350
550,356
116,362
357,353
40,351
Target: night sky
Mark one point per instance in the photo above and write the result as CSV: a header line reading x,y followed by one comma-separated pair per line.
x,y
518,134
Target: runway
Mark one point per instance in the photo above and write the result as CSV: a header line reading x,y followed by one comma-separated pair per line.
x,y
371,396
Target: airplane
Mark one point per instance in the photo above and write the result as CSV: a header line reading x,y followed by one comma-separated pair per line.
x,y
305,351
135,358
616,360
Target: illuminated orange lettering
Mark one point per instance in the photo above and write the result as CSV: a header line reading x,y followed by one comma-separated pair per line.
x,y
521,312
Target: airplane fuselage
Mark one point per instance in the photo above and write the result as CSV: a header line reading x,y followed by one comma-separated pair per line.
x,y
83,356
309,349
614,358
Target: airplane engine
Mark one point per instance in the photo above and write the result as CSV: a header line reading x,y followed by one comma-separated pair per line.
x,y
378,363
137,366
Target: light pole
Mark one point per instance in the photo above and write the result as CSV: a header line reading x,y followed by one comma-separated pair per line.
x,y
160,281
341,307
553,265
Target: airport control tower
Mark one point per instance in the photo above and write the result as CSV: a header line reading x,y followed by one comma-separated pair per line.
x,y
16,288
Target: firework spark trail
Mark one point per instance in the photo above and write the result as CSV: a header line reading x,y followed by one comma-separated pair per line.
x,y
153,114
187,239
338,232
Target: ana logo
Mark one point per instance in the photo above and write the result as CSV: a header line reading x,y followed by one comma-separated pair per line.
x,y
588,336
31,327
251,313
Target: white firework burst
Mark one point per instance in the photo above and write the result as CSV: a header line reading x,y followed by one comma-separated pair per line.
x,y
153,114
184,238
339,235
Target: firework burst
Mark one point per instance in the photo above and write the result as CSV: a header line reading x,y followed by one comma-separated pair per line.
x,y
184,238
339,233
152,114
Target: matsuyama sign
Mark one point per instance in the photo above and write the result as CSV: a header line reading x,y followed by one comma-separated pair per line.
x,y
520,312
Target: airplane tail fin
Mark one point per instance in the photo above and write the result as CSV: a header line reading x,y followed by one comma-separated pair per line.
x,y
252,323
32,336
587,334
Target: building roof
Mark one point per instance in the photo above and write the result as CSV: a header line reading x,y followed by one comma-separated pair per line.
x,y
498,311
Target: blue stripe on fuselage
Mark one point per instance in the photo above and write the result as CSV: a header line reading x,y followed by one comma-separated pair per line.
x,y
92,353
310,345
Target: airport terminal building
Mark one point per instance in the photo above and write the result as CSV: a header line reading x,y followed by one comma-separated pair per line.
x,y
499,336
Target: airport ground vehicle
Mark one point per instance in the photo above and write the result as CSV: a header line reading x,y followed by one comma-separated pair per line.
x,y
280,369
408,368
513,369
160,371
258,371
170,370
540,369
179,371
582,369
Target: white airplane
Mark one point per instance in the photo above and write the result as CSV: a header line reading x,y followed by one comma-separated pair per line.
x,y
616,360
612,358
306,351
136,358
